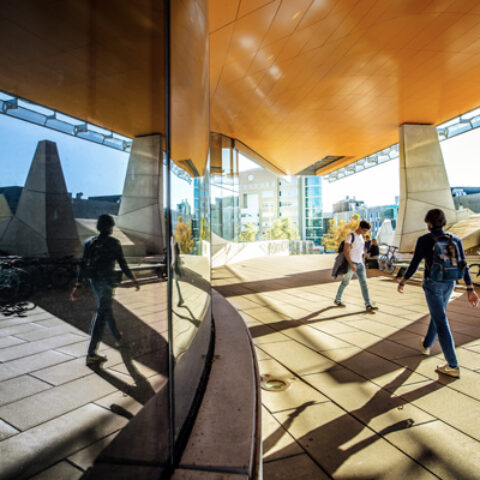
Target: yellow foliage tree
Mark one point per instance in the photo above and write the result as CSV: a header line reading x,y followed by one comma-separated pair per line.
x,y
249,233
183,236
337,233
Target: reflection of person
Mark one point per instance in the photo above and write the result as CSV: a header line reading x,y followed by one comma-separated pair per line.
x,y
372,254
177,272
438,293
354,250
98,265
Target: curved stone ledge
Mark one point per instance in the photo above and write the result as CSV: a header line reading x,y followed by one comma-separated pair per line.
x,y
225,441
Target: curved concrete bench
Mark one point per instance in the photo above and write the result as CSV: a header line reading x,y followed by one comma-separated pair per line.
x,y
225,440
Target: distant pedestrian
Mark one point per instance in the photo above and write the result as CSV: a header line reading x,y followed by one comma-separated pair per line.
x,y
372,254
98,266
354,251
443,253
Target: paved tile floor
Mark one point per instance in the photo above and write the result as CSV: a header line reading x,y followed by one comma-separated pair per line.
x,y
363,403
56,415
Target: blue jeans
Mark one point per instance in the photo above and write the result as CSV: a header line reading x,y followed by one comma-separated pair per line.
x,y
104,292
437,295
362,278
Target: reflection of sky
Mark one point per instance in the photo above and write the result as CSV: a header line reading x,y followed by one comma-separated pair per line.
x,y
88,167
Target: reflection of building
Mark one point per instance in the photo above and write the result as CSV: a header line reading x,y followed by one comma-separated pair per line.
x,y
313,225
265,197
467,197
259,199
92,207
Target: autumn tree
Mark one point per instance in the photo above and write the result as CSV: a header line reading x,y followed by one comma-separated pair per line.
x,y
249,233
283,229
204,230
183,236
337,233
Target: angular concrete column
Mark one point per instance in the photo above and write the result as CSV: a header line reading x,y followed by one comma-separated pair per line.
x,y
43,224
423,183
5,215
141,213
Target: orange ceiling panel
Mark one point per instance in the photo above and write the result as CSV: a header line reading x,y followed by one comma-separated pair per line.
x,y
295,80
338,77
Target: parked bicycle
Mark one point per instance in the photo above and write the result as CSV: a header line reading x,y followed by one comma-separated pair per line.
x,y
16,288
388,261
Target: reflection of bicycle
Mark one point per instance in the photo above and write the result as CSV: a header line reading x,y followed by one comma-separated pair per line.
x,y
16,287
388,261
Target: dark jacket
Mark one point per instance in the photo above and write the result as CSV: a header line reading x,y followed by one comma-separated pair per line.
x,y
110,251
424,250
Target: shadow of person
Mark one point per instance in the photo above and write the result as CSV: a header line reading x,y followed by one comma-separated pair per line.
x,y
141,390
147,345
327,443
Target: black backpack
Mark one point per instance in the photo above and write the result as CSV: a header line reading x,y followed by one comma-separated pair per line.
x,y
99,256
342,244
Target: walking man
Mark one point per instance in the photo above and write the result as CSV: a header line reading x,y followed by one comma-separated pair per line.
x,y
354,251
437,292
98,266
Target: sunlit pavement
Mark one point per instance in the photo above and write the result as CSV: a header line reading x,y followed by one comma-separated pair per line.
x,y
56,414
363,403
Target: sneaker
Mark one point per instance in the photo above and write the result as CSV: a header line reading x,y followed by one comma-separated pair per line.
x,y
425,350
371,308
448,370
94,358
339,303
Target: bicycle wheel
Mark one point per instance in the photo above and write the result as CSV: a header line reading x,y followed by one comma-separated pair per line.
x,y
391,264
382,262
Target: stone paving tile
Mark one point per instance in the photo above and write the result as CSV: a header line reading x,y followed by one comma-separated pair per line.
x,y
298,358
44,332
369,403
9,341
30,348
85,457
345,448
65,372
17,367
79,349
332,327
453,408
298,394
276,439
298,467
315,339
44,406
32,451
10,322
60,471
16,329
427,444
6,430
20,387
469,383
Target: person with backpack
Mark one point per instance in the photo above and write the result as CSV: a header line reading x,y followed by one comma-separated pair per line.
x,y
98,266
445,263
354,251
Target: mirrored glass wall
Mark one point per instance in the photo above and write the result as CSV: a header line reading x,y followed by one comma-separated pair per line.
x,y
92,274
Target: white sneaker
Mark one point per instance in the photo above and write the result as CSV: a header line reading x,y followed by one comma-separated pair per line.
x,y
448,370
425,350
